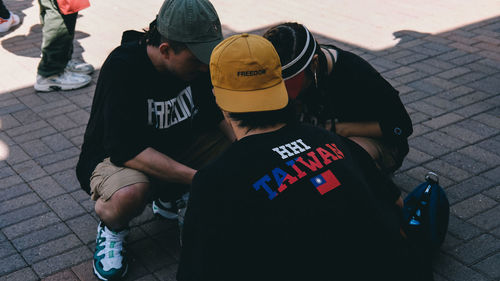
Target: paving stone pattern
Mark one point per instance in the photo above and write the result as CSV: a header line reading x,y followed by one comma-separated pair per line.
x,y
449,82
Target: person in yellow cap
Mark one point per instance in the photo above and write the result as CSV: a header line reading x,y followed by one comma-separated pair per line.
x,y
286,201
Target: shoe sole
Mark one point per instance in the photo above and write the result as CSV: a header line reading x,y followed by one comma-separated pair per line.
x,y
104,279
50,88
81,72
159,212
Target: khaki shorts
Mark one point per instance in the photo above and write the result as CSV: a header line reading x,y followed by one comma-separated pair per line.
x,y
108,178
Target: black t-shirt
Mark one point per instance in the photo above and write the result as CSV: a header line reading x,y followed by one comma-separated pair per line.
x,y
355,92
294,204
136,107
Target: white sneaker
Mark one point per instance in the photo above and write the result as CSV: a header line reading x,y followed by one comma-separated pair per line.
x,y
170,210
63,81
79,66
167,210
6,24
110,262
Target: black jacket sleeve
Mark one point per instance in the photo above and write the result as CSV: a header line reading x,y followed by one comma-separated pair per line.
x,y
363,92
386,106
124,135
395,122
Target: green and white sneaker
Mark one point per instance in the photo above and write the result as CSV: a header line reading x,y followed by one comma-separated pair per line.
x,y
110,262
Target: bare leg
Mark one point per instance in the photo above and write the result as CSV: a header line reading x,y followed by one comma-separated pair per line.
x,y
369,146
376,153
123,206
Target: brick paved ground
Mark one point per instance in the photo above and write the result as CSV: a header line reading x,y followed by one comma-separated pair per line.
x,y
447,72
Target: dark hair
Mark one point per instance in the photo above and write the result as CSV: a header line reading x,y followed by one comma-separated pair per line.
x,y
288,39
264,119
153,37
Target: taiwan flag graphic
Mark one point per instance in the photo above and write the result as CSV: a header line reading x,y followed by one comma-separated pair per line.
x,y
325,182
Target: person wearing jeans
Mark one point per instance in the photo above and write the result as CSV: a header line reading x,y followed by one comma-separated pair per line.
x,y
56,70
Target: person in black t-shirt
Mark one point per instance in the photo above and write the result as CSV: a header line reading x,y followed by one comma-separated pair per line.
x,y
287,201
341,92
153,122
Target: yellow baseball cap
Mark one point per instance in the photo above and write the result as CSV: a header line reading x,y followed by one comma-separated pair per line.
x,y
246,75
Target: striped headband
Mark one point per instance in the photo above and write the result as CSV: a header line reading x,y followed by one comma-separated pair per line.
x,y
299,63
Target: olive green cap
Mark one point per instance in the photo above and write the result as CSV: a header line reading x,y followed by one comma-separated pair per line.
x,y
193,22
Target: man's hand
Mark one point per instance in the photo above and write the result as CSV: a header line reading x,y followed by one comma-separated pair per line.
x,y
400,202
342,128
358,129
159,165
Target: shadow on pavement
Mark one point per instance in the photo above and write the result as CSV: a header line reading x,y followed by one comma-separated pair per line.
x,y
29,45
449,82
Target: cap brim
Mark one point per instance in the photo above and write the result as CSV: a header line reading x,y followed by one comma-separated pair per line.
x,y
268,99
202,51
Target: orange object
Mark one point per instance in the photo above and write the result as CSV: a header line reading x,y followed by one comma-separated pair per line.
x,y
72,6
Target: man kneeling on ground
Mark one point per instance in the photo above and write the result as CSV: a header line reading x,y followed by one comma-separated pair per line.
x,y
153,122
